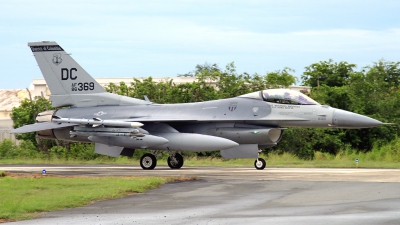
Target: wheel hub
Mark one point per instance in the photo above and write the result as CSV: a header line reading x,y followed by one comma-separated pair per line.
x,y
147,161
174,162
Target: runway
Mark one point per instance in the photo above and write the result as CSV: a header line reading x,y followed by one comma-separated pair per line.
x,y
239,196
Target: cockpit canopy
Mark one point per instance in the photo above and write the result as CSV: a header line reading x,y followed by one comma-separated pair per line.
x,y
282,96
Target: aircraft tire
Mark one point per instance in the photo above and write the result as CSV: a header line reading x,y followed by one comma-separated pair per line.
x,y
260,164
148,161
176,163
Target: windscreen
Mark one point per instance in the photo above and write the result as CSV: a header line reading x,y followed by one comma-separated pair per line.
x,y
286,96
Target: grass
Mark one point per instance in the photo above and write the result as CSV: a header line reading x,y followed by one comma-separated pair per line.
x,y
386,156
288,160
321,160
24,196
381,156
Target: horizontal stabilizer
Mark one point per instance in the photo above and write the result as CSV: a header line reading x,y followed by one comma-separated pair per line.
x,y
39,127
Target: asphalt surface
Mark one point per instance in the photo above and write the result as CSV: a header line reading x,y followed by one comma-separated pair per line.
x,y
239,196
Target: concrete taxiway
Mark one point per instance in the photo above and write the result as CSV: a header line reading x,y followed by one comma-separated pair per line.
x,y
239,196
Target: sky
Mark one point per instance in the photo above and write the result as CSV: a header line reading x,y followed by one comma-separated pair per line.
x,y
125,38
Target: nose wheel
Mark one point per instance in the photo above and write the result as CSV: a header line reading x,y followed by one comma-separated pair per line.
x,y
260,163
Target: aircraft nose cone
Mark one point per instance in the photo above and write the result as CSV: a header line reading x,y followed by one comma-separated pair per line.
x,y
345,119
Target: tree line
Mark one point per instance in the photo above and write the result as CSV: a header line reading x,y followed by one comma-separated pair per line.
x,y
371,91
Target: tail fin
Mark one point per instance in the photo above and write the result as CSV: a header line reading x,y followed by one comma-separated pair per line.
x,y
69,83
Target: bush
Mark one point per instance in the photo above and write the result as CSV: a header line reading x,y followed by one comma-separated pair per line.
x,y
296,141
84,151
28,150
8,150
323,156
57,152
389,152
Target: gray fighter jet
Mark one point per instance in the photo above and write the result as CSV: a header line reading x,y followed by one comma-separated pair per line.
x,y
117,125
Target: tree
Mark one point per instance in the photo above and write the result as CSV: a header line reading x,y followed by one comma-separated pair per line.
x,y
280,78
26,114
330,73
373,92
337,97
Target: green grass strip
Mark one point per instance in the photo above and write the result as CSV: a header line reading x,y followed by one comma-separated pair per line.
x,y
23,197
273,160
290,161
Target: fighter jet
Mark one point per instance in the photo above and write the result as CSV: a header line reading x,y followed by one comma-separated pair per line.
x,y
117,125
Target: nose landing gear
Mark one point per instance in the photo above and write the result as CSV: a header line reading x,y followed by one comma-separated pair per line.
x,y
260,162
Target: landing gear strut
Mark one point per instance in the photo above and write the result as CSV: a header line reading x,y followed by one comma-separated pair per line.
x,y
148,161
175,161
260,162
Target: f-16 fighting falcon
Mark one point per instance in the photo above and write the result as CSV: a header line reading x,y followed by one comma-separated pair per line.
x,y
117,125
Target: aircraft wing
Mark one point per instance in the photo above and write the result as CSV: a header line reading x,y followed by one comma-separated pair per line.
x,y
132,122
69,122
39,127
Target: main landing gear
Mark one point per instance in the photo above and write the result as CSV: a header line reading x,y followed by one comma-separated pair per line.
x,y
175,161
260,162
149,161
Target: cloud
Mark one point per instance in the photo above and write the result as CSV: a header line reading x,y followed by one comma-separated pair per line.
x,y
257,35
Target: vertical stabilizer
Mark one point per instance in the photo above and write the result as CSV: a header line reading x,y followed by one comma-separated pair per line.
x,y
69,83
62,74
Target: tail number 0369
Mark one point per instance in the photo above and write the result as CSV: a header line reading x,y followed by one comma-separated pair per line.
x,y
86,86
69,74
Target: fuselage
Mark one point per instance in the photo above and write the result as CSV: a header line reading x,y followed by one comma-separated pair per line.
x,y
245,120
242,110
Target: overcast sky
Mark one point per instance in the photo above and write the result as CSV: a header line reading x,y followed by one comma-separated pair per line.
x,y
165,38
